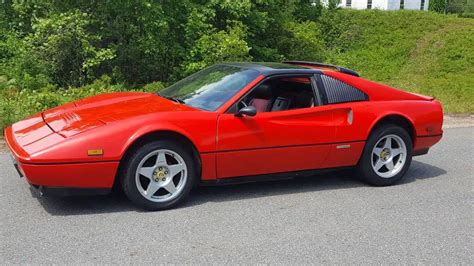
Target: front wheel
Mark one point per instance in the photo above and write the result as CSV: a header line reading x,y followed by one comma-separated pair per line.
x,y
386,157
159,175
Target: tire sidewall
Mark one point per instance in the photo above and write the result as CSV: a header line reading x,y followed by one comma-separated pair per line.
x,y
366,171
129,172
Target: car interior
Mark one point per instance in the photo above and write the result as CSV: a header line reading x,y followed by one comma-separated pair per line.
x,y
281,94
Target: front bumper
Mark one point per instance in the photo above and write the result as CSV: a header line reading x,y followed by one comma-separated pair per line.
x,y
68,179
77,175
16,165
72,175
67,191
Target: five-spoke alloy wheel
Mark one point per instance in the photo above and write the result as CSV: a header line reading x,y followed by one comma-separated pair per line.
x,y
386,157
161,175
158,175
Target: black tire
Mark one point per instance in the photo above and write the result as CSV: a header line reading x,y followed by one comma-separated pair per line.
x,y
130,167
365,170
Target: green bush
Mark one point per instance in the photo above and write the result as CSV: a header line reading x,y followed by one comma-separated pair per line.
x,y
221,46
64,47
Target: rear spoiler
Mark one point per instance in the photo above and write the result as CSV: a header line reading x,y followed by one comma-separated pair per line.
x,y
324,67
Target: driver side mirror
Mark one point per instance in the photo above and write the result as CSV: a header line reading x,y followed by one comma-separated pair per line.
x,y
247,110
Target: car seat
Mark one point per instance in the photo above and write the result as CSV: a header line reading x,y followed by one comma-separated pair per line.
x,y
262,98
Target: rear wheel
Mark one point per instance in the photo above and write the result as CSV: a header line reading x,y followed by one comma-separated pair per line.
x,y
386,157
158,175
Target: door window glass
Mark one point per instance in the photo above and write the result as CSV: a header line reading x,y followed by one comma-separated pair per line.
x,y
281,94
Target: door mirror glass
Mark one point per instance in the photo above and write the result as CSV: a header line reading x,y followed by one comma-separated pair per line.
x,y
248,111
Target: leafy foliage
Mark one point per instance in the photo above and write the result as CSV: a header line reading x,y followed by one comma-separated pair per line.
x,y
54,51
452,6
62,45
221,46
71,43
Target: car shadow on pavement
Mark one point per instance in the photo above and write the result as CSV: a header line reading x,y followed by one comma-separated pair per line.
x,y
117,202
420,170
346,179
80,205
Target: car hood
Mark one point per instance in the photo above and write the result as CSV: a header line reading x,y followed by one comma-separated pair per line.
x,y
79,116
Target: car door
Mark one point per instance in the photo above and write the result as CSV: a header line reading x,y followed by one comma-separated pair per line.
x,y
275,142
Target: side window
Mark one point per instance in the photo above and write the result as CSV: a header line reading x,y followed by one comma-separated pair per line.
x,y
281,94
341,92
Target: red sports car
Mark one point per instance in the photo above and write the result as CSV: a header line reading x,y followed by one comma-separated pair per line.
x,y
229,122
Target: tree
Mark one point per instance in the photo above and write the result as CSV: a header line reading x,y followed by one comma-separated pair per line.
x,y
450,6
71,43
66,49
438,6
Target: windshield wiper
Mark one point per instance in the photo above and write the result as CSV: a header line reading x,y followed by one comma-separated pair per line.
x,y
176,99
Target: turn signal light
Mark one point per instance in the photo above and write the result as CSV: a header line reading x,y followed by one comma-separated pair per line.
x,y
97,152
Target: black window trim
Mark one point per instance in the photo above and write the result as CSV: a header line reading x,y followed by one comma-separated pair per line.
x,y
233,108
322,91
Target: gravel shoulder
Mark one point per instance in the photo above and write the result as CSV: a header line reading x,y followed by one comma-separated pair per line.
x,y
455,121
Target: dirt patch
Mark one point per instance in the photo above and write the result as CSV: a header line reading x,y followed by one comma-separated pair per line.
x,y
452,121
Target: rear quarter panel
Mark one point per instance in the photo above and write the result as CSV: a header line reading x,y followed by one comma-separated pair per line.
x,y
425,116
424,113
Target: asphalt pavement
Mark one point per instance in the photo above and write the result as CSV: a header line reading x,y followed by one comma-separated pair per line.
x,y
330,219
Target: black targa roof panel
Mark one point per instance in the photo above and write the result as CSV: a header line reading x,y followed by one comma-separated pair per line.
x,y
291,67
317,64
268,68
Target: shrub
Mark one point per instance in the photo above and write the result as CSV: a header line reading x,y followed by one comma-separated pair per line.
x,y
304,42
220,46
66,49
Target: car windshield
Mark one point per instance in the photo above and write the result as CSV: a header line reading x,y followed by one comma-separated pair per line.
x,y
210,88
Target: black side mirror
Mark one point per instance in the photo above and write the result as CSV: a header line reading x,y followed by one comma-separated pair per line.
x,y
247,110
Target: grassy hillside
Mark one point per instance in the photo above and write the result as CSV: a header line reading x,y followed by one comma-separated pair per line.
x,y
421,52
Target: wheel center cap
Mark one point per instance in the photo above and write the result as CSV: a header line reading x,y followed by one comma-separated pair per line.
x,y
160,174
385,154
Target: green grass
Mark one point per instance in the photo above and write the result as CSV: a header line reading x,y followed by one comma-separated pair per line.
x,y
421,52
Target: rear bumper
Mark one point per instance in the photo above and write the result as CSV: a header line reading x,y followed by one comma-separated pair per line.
x,y
17,166
423,143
